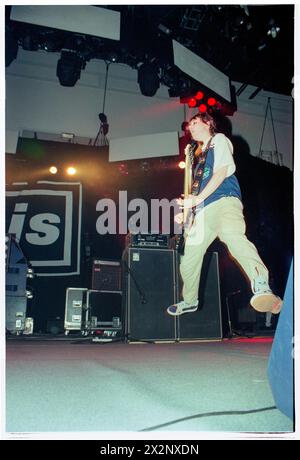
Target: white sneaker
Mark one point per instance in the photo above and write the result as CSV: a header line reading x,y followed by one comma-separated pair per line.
x,y
182,307
263,299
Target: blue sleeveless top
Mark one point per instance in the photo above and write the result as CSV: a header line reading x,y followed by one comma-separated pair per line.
x,y
229,187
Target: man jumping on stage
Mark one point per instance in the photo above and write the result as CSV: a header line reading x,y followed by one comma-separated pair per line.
x,y
218,213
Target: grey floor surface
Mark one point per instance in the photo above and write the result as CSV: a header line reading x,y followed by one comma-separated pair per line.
x,y
65,386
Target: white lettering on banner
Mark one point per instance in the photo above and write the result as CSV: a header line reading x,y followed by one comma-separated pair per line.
x,y
138,222
51,230
38,223
165,206
17,220
109,216
123,212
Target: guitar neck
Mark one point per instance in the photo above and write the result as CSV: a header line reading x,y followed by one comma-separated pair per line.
x,y
187,182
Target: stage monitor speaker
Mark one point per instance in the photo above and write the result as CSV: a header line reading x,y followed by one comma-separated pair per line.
x,y
151,286
206,322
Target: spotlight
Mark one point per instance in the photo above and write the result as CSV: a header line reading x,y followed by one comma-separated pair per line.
x,y
208,103
112,56
199,95
71,171
181,164
123,169
30,43
211,101
273,28
69,67
53,169
148,79
202,108
274,31
164,29
192,102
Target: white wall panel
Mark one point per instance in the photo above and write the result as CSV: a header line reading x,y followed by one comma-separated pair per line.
x,y
35,101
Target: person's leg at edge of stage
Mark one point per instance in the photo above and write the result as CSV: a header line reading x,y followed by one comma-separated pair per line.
x,y
232,233
196,244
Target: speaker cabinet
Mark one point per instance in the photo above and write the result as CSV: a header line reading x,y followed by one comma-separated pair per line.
x,y
105,308
107,275
151,286
206,322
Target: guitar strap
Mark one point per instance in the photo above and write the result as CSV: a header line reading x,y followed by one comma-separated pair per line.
x,y
198,173
195,189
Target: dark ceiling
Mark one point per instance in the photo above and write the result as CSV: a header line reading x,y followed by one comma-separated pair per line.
x,y
252,44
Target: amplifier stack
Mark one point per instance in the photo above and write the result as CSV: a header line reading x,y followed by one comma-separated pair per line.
x,y
17,292
153,283
149,240
129,299
98,310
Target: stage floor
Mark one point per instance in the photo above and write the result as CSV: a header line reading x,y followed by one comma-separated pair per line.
x,y
95,388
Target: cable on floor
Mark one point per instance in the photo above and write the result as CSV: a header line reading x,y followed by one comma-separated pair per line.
x,y
209,414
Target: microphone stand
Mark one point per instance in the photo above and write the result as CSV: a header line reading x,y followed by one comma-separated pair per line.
x,y
231,332
129,271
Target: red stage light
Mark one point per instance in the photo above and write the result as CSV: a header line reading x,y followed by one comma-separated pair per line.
x,y
122,169
181,164
192,102
202,108
211,101
199,95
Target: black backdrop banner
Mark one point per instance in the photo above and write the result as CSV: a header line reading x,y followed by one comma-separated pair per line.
x,y
268,212
46,219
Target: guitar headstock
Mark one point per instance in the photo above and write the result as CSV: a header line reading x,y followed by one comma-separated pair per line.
x,y
189,153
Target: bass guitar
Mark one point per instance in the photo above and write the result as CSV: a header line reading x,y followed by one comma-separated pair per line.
x,y
188,179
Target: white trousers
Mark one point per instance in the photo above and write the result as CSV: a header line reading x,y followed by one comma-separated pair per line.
x,y
221,219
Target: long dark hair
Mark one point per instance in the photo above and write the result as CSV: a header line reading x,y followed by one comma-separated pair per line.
x,y
208,119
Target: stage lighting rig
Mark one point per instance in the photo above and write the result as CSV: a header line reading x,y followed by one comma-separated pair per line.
x,y
69,67
148,78
53,170
205,101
